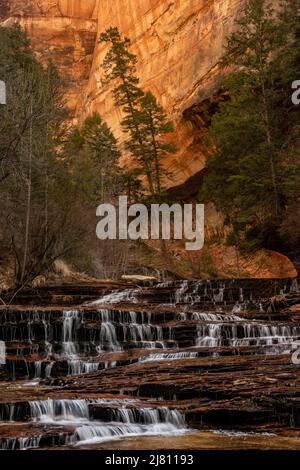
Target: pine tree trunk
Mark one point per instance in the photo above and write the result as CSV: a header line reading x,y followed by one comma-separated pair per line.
x,y
156,158
28,203
46,194
147,168
269,138
272,163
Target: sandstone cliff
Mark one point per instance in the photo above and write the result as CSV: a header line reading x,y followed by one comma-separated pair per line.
x,y
63,31
178,44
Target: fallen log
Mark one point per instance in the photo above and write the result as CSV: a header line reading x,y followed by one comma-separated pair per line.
x,y
281,302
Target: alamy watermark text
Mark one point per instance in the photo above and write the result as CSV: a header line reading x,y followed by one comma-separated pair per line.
x,y
136,222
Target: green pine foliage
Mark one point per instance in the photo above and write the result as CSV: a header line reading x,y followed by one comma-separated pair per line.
x,y
93,158
144,120
47,198
31,127
253,173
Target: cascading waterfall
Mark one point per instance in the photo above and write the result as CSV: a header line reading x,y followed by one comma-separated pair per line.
x,y
123,421
144,335
71,319
70,410
55,410
115,330
38,369
53,343
71,322
127,295
48,370
108,337
85,335
137,329
85,435
149,416
248,334
132,422
58,410
215,317
187,294
208,336
20,443
180,296
77,367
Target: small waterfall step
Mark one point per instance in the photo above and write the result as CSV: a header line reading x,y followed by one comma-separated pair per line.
x,y
26,436
201,351
214,292
84,421
65,293
76,343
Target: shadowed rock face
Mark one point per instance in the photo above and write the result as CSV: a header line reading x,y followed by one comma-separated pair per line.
x,y
73,8
4,8
63,32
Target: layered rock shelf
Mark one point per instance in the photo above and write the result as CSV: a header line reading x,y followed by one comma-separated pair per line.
x,y
90,364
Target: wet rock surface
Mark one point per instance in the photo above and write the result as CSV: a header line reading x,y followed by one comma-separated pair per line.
x,y
130,363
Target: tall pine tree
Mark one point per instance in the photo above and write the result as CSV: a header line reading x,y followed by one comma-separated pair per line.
x,y
247,173
144,120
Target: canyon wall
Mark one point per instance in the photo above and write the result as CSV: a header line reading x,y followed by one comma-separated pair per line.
x,y
178,44
63,31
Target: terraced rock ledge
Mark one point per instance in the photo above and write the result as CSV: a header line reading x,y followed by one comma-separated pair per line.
x,y
110,366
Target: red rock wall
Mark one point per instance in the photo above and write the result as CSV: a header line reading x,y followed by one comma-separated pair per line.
x,y
178,44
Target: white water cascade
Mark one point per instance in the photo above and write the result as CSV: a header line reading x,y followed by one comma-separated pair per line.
x,y
124,422
246,334
20,443
71,322
127,295
131,331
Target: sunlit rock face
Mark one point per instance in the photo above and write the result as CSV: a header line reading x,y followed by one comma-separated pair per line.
x,y
178,44
75,9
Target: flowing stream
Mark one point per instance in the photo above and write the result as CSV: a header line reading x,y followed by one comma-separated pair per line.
x,y
162,323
